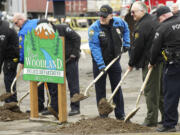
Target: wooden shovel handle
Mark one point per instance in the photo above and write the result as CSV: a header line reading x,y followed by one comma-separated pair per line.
x,y
17,76
100,74
119,84
144,85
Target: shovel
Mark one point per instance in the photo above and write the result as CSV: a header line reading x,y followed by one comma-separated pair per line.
x,y
9,94
133,112
78,97
105,106
50,109
12,105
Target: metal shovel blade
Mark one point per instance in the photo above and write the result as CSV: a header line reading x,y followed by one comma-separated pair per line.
x,y
53,112
4,96
78,97
131,114
104,107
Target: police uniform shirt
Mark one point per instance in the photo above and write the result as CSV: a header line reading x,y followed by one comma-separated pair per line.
x,y
167,35
142,40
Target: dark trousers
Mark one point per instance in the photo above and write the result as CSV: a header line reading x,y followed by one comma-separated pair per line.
x,y
9,70
72,75
114,73
171,94
53,91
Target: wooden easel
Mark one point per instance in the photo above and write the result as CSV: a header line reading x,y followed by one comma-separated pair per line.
x,y
62,101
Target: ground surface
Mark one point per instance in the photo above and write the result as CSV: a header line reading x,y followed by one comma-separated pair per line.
x,y
88,121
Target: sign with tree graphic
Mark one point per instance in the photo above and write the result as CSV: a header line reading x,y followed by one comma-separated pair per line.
x,y
43,55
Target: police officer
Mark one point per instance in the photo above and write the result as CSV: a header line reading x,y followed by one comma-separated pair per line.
x,y
143,35
167,43
27,25
105,41
9,55
175,9
72,54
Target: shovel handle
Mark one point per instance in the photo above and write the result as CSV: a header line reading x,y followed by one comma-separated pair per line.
x,y
17,75
143,85
27,93
47,90
119,84
100,74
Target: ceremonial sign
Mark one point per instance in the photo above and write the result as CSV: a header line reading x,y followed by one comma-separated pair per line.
x,y
43,55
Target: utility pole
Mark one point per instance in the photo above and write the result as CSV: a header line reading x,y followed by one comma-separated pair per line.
x,y
25,7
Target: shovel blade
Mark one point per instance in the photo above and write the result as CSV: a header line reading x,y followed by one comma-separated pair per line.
x,y
104,107
78,97
53,112
5,96
131,114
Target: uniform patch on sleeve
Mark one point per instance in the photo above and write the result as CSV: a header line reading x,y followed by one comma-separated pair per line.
x,y
20,39
91,34
136,35
68,29
156,35
20,46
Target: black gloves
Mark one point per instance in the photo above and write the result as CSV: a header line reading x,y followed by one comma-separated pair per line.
x,y
102,70
125,49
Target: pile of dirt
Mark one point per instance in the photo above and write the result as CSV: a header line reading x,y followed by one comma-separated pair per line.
x,y
101,126
10,114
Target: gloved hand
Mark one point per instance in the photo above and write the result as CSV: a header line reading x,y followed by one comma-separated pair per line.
x,y
102,70
125,49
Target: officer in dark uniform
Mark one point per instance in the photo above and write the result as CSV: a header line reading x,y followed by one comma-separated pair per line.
x,y
9,55
144,32
167,43
105,41
72,54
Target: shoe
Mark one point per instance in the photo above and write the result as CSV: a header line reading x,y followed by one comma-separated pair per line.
x,y
40,111
120,118
166,129
160,122
149,124
73,112
45,112
103,115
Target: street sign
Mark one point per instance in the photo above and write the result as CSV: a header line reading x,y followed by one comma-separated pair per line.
x,y
43,55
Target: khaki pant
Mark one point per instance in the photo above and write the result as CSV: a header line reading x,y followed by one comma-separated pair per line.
x,y
153,93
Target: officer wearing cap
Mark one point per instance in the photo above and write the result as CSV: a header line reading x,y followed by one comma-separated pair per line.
x,y
106,37
167,43
144,32
9,55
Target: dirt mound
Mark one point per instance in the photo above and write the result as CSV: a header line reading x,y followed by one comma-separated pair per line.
x,y
12,114
101,126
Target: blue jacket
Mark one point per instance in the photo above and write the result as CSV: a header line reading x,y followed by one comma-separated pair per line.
x,y
28,26
94,42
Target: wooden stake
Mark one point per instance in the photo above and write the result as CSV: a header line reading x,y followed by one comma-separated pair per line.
x,y
33,99
62,101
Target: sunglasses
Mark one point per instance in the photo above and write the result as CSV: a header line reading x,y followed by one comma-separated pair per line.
x,y
103,16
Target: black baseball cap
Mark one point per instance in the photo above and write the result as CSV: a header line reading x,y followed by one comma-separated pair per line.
x,y
105,10
162,10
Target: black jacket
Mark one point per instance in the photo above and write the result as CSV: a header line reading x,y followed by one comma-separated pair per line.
x,y
9,46
167,36
142,41
72,40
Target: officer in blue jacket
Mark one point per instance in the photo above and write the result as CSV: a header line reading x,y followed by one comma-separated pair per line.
x,y
106,38
25,26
